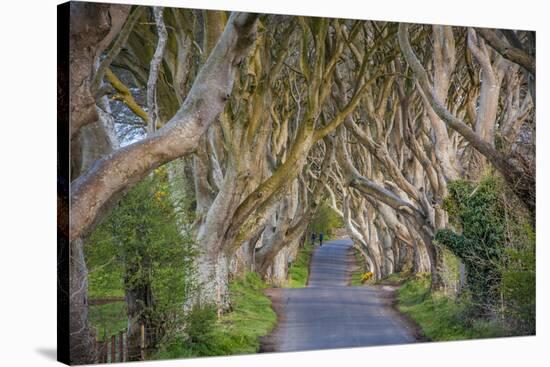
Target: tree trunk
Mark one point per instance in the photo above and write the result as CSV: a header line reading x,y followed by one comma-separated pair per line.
x,y
213,280
444,64
139,302
82,341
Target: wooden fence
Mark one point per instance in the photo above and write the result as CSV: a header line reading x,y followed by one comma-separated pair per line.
x,y
115,348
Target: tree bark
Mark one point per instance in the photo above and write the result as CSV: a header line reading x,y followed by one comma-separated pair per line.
x,y
93,27
92,193
82,336
139,301
514,54
154,69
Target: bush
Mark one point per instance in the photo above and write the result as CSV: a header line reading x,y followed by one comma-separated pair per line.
x,y
496,242
140,246
199,324
519,289
236,332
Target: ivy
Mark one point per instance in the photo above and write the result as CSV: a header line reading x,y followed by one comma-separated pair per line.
x,y
493,238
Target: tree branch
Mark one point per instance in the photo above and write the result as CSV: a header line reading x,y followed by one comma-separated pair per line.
x,y
92,193
514,54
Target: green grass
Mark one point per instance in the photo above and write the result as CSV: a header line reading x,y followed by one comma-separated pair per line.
x,y
111,318
108,319
237,331
441,318
105,283
251,318
396,278
299,270
359,270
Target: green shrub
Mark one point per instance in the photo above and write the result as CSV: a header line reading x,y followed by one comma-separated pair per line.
x,y
199,324
139,245
235,332
496,242
519,289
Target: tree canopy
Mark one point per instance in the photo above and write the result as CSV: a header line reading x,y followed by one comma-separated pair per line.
x,y
264,124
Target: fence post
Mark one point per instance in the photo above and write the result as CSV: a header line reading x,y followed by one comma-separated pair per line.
x,y
96,348
113,348
105,347
121,346
100,349
142,342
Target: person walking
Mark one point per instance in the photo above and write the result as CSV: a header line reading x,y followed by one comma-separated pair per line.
x,y
321,239
313,236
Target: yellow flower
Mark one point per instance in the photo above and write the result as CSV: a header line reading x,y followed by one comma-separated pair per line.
x,y
366,276
160,194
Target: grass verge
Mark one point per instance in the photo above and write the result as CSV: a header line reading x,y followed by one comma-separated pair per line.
x,y
236,332
299,270
358,270
441,318
108,319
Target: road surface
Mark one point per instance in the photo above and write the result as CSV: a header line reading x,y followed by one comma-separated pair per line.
x,y
330,314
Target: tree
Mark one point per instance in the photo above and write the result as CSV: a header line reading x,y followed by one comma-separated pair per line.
x,y
96,189
267,118
141,234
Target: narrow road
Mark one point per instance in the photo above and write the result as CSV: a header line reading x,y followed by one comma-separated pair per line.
x,y
330,314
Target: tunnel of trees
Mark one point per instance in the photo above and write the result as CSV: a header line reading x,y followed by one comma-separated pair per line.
x,y
204,144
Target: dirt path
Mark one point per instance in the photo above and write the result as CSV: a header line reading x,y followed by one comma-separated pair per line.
x,y
330,314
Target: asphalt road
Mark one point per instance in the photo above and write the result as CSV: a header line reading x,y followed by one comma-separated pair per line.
x,y
330,314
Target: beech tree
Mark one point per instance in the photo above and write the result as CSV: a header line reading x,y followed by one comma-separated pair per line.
x,y
94,190
261,119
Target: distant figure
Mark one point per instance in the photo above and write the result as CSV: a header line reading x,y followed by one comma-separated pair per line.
x,y
321,239
313,236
